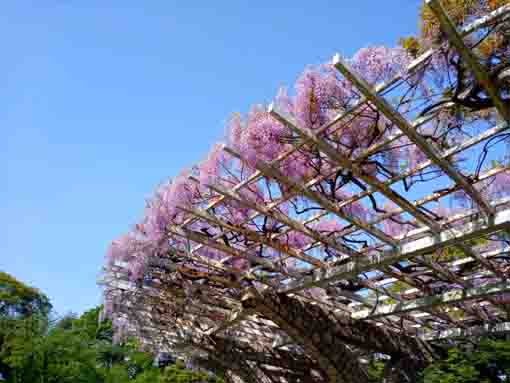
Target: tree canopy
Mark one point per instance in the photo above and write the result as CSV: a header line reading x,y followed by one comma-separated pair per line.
x,y
19,300
36,347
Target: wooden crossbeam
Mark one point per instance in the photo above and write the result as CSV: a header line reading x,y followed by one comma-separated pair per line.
x,y
446,154
346,163
282,218
269,206
435,312
432,197
424,245
451,264
482,22
437,195
401,122
422,201
367,153
479,23
450,297
450,152
316,180
490,173
244,333
272,172
469,58
498,14
209,302
450,276
253,236
427,163
211,263
413,248
220,246
373,304
487,263
470,332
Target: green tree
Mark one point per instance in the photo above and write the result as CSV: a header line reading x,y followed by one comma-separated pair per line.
x,y
75,349
24,312
487,362
20,300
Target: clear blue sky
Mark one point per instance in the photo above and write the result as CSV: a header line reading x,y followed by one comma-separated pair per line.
x,y
101,100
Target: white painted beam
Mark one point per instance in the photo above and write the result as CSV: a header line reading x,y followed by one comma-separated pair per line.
x,y
429,243
453,296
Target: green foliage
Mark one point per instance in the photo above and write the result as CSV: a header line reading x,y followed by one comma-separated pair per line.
x,y
485,362
458,10
36,352
23,319
74,349
20,352
20,300
399,287
411,45
452,253
375,371
178,374
149,376
489,362
80,349
452,370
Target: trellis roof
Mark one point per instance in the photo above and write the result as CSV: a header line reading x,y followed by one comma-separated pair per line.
x,y
456,281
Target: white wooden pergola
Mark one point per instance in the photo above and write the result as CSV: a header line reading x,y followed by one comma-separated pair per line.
x,y
165,315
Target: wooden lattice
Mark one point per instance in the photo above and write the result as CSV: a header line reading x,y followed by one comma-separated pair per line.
x,y
339,302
